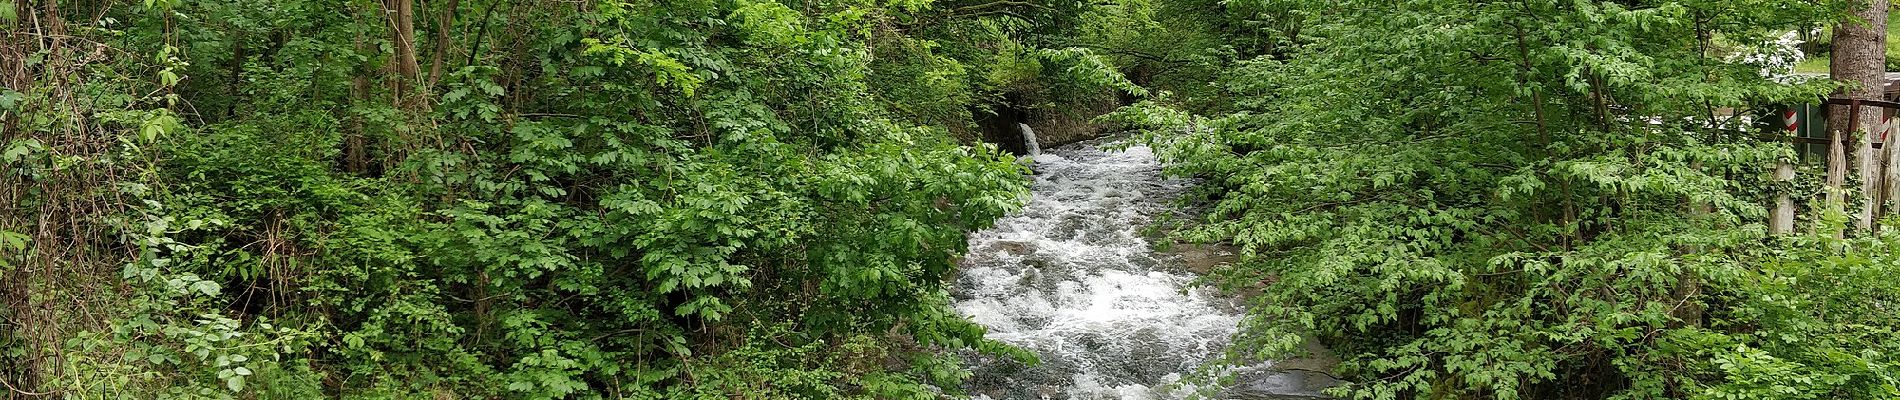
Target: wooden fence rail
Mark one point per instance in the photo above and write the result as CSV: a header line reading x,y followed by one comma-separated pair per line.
x,y
1876,168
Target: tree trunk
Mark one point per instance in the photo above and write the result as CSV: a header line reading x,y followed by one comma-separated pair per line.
x,y
402,26
234,81
355,149
445,21
1860,59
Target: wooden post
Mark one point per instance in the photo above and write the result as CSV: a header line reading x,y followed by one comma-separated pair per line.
x,y
1782,222
1885,182
1870,181
1837,159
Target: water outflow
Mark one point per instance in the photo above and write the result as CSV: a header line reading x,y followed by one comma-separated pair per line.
x,y
1072,279
1029,140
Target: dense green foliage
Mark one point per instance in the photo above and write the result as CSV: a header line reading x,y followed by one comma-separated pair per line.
x,y
493,199
1531,199
765,199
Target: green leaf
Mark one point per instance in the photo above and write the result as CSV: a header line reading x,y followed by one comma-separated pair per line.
x,y
208,288
10,100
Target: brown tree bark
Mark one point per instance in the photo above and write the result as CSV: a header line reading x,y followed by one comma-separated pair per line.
x,y
354,147
236,77
402,25
445,21
354,151
1860,59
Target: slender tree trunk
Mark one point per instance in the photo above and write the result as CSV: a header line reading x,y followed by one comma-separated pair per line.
x,y
237,76
405,76
1860,59
355,148
402,25
14,47
444,22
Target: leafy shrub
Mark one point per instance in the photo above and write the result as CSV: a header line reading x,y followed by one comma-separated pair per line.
x,y
520,199
1527,200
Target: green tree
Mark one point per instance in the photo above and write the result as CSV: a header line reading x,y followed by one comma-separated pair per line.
x,y
1859,51
604,199
1527,199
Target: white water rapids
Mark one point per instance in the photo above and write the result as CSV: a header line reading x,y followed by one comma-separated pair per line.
x,y
1071,278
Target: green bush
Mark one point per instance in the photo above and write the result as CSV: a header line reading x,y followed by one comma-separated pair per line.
x,y
721,199
1527,200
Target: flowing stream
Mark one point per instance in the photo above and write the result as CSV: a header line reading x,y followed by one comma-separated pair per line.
x,y
1072,278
